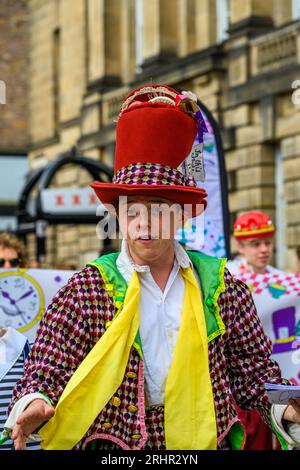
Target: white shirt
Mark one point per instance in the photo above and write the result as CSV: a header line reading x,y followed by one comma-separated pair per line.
x,y
160,315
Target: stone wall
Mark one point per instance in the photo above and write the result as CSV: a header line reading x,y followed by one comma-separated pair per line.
x,y
14,47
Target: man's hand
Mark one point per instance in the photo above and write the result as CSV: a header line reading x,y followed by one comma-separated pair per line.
x,y
292,413
32,418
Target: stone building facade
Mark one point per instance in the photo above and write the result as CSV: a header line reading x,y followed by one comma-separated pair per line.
x,y
14,106
241,58
14,47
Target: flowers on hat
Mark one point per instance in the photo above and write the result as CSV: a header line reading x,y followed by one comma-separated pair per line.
x,y
187,101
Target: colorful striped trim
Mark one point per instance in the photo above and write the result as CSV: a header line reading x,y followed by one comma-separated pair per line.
x,y
241,444
245,233
152,174
118,298
141,402
222,328
110,289
108,437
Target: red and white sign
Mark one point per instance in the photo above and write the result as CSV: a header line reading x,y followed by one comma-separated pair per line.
x,y
71,200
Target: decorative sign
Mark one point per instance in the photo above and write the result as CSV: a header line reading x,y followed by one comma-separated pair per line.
x,y
76,201
277,300
211,240
25,294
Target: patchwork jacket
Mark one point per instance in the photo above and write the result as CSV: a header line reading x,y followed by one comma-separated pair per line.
x,y
80,313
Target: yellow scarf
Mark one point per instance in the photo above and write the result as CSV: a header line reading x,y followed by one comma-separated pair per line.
x,y
190,421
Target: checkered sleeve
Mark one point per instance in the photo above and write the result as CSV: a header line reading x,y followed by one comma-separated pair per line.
x,y
247,349
63,340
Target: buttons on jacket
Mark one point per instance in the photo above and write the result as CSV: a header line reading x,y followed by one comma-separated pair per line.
x,y
116,401
107,426
132,408
136,436
209,302
131,375
107,324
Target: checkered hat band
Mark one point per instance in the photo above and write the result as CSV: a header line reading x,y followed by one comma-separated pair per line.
x,y
152,174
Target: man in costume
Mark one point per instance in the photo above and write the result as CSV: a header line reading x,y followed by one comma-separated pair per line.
x,y
152,347
254,232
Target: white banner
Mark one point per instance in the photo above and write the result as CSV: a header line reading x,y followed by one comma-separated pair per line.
x,y
277,300
71,200
25,294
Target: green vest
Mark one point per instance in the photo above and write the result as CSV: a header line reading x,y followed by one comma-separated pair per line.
x,y
210,271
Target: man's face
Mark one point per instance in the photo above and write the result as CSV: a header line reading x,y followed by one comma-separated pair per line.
x,y
149,225
257,251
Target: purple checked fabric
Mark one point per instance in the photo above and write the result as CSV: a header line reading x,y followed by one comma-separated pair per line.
x,y
76,318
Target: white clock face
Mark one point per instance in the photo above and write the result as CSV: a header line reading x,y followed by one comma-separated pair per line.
x,y
20,301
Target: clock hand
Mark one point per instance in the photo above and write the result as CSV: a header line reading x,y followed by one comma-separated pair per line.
x,y
20,313
7,296
24,295
13,302
9,312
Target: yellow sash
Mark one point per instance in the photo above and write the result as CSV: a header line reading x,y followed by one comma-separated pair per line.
x,y
190,421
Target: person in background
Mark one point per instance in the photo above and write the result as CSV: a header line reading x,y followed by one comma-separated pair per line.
x,y
12,251
14,346
254,233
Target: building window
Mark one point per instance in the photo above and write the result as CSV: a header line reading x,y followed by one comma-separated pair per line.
x,y
13,171
295,9
139,34
222,10
280,210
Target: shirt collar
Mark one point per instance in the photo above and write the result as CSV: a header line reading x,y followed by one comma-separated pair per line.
x,y
126,265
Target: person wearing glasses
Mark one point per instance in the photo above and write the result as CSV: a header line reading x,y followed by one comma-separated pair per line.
x,y
12,251
14,346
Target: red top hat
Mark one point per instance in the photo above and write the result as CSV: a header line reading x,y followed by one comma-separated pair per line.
x,y
155,133
253,225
